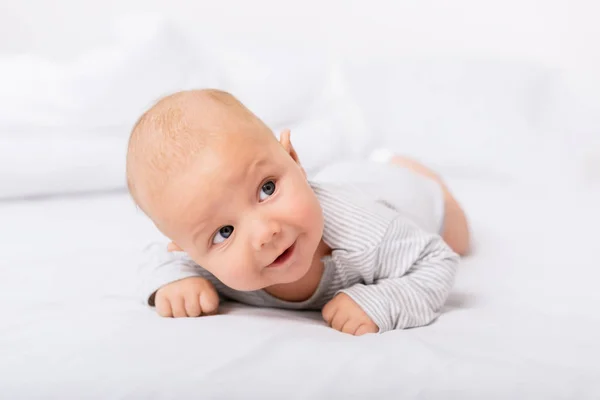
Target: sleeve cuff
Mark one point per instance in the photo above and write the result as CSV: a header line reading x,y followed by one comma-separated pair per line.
x,y
372,305
160,268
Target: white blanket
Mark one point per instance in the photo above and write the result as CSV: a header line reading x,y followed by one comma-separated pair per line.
x,y
521,323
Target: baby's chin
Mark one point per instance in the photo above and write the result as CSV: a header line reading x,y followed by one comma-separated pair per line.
x,y
289,277
283,278
256,284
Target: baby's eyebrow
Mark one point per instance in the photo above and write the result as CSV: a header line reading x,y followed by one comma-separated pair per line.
x,y
250,168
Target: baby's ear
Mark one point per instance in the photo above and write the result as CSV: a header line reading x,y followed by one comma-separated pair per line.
x,y
173,247
286,143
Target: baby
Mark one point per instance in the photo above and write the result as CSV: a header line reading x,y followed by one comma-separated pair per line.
x,y
373,246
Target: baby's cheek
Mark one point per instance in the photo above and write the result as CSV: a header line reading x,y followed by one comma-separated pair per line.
x,y
205,263
307,212
225,275
235,276
299,206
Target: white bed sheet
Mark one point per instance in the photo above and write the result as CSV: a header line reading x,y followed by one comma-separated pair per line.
x,y
522,321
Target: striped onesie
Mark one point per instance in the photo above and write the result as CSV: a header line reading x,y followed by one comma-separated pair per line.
x,y
381,223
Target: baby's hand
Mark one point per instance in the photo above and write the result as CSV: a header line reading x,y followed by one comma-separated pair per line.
x,y
189,297
344,315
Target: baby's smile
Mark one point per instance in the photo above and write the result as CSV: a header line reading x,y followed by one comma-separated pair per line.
x,y
285,258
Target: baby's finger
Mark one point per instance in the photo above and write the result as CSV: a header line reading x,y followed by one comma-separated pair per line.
x,y
365,328
192,306
178,307
339,320
351,325
163,307
209,301
328,311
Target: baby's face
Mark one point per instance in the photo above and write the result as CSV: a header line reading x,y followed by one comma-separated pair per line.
x,y
245,212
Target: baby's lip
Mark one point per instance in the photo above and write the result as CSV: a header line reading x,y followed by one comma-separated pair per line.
x,y
283,257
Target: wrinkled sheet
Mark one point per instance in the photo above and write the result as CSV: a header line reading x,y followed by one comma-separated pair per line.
x,y
522,321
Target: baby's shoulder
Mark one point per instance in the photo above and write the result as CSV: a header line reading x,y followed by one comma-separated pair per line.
x,y
353,220
349,200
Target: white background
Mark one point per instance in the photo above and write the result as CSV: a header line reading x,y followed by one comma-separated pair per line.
x,y
555,32
558,39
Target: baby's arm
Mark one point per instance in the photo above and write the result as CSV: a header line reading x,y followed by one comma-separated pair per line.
x,y
411,280
175,284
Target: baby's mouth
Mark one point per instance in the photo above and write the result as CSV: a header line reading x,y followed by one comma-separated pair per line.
x,y
284,257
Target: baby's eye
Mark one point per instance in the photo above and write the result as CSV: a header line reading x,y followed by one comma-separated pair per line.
x,y
223,234
267,189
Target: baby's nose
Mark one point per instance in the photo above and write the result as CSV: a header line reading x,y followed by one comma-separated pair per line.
x,y
264,233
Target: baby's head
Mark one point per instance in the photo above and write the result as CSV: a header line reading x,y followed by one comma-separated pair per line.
x,y
214,179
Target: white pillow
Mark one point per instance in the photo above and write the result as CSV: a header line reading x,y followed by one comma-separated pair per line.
x,y
64,126
107,88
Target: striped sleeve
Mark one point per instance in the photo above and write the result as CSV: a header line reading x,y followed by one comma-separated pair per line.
x,y
161,267
410,279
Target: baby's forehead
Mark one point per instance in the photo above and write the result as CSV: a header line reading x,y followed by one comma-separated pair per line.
x,y
235,162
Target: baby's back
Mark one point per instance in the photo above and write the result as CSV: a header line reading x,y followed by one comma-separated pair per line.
x,y
414,196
